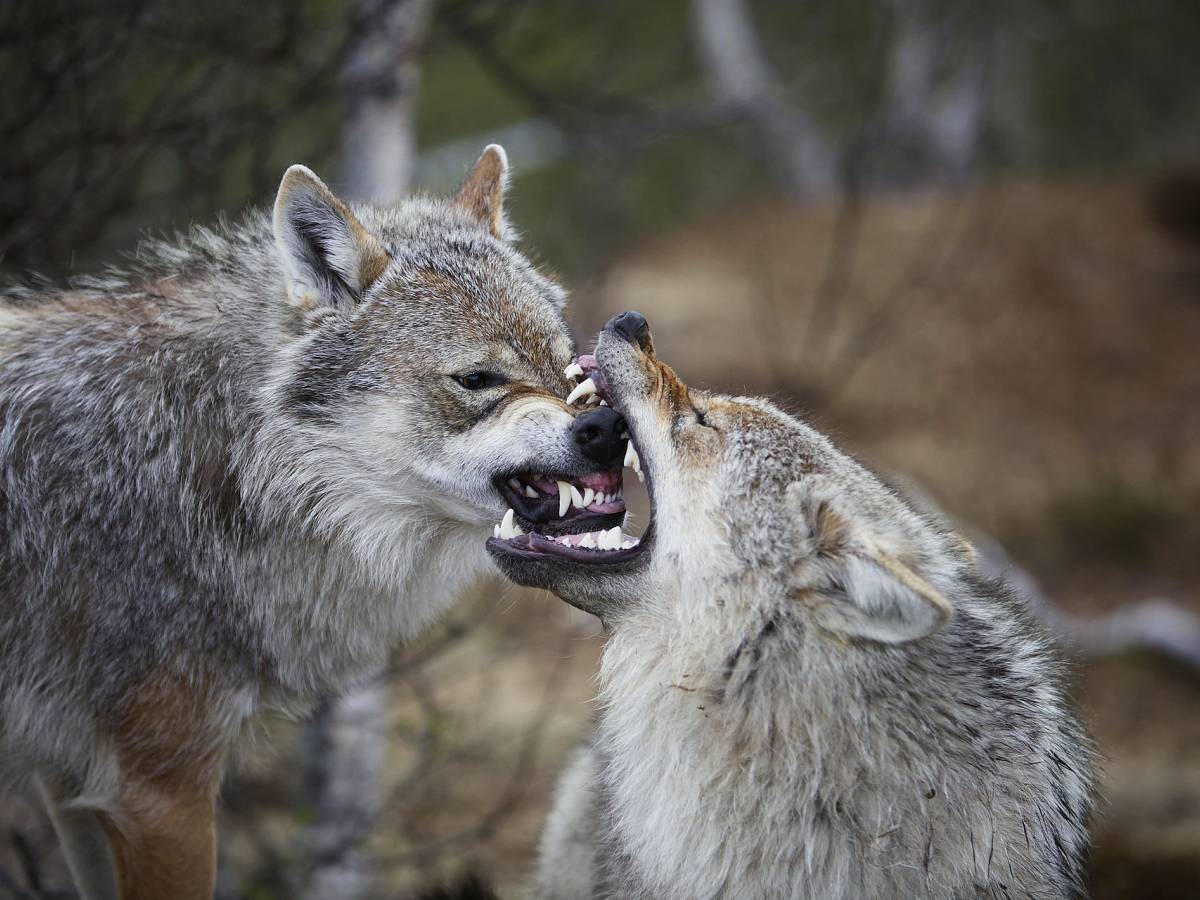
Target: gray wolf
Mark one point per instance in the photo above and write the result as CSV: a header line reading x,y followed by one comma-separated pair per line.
x,y
235,474
807,690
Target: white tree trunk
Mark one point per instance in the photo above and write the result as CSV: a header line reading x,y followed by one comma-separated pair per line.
x,y
344,743
940,121
741,77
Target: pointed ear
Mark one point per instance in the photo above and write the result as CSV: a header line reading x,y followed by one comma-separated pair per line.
x,y
329,257
482,194
857,590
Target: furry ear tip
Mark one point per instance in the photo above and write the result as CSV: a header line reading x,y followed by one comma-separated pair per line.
x,y
497,152
296,181
297,173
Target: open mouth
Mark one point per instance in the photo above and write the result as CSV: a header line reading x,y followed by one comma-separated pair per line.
x,y
560,504
572,519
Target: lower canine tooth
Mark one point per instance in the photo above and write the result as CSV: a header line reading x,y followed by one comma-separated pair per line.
x,y
631,460
564,498
508,528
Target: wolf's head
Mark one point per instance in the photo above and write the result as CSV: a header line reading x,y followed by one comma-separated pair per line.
x,y
746,501
424,369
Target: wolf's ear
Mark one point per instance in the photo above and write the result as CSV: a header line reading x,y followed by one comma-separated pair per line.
x,y
856,589
482,194
329,257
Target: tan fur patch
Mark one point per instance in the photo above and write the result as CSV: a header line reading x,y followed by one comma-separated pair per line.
x,y
163,732
165,844
162,829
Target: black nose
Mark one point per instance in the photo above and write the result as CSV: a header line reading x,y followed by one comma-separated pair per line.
x,y
630,325
598,435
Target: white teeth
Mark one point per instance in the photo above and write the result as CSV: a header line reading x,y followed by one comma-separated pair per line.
x,y
565,541
587,542
564,498
604,403
611,539
508,528
574,370
594,400
588,496
633,461
628,545
576,497
495,531
530,492
624,435
585,388
514,484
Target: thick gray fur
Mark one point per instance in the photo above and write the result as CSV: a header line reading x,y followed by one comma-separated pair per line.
x,y
225,488
808,691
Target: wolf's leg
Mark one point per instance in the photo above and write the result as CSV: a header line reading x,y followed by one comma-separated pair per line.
x,y
165,841
566,867
84,843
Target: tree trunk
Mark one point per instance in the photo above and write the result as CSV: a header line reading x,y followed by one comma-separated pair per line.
x,y
742,78
344,743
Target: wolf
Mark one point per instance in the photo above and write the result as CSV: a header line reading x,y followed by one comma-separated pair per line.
x,y
234,474
807,690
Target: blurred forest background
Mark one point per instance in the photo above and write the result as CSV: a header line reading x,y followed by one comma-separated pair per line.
x,y
962,237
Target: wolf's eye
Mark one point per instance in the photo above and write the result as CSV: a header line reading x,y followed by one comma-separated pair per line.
x,y
474,381
700,420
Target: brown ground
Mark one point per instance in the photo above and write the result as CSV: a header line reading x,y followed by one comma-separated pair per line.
x,y
1025,353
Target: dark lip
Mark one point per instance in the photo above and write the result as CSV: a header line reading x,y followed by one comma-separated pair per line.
x,y
533,546
542,514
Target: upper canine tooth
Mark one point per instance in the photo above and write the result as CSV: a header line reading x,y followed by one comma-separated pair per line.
x,y
564,498
530,492
576,497
574,370
588,496
585,388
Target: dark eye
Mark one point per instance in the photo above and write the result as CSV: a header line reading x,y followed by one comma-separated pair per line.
x,y
700,420
474,381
